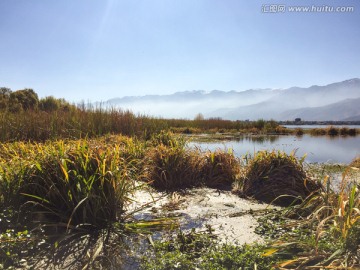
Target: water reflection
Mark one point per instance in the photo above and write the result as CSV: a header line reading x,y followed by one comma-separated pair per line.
x,y
336,149
259,139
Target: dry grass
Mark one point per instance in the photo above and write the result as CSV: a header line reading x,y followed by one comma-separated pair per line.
x,y
275,177
173,167
219,169
333,217
355,163
170,165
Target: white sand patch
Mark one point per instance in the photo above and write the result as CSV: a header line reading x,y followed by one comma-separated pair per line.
x,y
230,216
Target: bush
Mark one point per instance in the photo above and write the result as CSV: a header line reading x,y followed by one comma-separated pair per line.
x,y
276,177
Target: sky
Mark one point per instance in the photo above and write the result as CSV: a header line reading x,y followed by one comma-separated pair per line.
x,y
95,50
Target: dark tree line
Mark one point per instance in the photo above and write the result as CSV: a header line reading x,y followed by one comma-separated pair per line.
x,y
26,99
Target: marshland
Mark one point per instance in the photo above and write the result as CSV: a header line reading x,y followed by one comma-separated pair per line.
x,y
85,187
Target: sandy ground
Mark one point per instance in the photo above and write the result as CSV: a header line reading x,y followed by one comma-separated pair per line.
x,y
230,216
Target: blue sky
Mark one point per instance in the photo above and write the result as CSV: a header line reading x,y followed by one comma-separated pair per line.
x,y
96,50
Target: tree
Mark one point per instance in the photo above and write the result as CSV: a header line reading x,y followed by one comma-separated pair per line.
x,y
4,98
27,98
49,104
199,117
4,91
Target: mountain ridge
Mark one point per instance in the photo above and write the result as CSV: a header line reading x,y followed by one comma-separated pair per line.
x,y
326,102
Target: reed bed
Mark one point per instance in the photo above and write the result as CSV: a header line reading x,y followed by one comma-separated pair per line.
x,y
334,131
94,121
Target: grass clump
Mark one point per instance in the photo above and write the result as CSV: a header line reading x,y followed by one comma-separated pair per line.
x,y
275,177
219,169
170,165
72,183
80,185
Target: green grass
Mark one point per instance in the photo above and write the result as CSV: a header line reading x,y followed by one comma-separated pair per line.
x,y
200,250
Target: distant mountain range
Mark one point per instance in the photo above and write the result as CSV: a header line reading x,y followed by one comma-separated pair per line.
x,y
336,101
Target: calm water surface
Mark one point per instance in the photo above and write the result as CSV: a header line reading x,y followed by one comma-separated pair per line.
x,y
319,126
317,149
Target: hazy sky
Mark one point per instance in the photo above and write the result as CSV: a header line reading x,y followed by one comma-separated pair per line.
x,y
96,50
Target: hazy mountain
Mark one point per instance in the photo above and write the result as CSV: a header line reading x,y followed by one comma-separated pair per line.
x,y
345,109
336,101
189,103
304,99
353,118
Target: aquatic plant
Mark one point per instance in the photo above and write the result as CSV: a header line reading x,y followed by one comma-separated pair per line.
x,y
299,132
332,131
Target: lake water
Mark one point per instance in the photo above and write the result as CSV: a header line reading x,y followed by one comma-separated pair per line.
x,y
317,149
319,126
